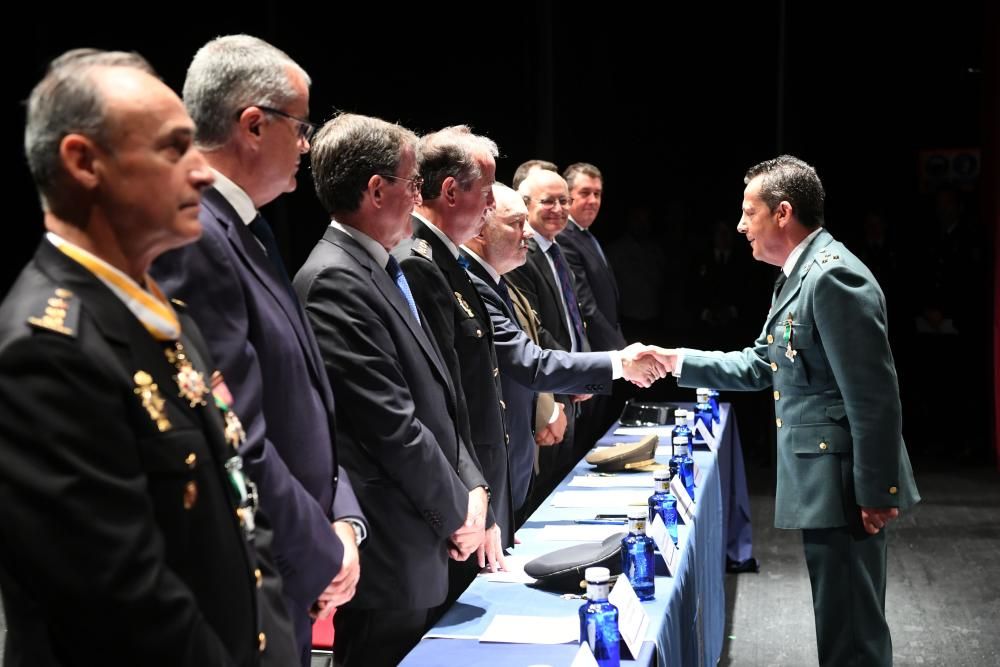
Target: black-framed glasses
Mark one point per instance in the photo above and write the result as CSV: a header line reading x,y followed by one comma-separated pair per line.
x,y
416,184
306,128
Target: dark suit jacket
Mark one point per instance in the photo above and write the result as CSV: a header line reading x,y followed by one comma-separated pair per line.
x,y
595,288
538,284
120,541
466,339
396,412
258,335
525,369
840,442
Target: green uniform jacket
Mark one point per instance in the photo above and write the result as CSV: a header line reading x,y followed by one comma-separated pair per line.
x,y
839,423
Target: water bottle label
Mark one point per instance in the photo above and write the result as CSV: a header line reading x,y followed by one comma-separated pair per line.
x,y
680,440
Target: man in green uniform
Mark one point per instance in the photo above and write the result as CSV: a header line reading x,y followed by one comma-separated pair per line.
x,y
843,471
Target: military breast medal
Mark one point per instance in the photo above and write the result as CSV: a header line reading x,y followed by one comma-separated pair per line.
x,y
190,381
152,401
789,353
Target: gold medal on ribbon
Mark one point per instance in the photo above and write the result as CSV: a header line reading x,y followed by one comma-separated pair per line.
x,y
190,381
464,304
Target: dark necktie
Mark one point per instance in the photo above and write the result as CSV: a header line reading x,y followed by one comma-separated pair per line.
x,y
779,283
396,273
463,261
569,295
505,293
259,227
596,244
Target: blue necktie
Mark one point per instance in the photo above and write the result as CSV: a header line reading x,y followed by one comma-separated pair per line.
x,y
505,293
463,261
396,273
259,228
569,296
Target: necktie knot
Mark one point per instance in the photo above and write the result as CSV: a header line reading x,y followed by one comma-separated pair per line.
x,y
779,283
259,228
463,261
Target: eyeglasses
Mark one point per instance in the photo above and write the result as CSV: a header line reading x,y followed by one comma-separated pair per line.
x,y
415,184
306,128
550,202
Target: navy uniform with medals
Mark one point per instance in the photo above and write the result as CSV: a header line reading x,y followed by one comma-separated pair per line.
x,y
128,530
825,354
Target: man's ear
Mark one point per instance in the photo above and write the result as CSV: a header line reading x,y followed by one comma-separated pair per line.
x,y
250,121
80,159
449,190
785,211
375,190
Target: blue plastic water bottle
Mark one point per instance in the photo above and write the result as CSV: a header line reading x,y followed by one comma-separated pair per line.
x,y
703,410
599,619
637,555
713,400
663,502
681,462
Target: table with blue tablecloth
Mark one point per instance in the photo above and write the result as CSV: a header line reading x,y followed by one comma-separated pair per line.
x,y
687,616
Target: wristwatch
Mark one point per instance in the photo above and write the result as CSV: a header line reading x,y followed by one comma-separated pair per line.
x,y
360,532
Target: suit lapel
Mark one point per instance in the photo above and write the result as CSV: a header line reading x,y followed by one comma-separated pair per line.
x,y
453,272
384,284
253,256
793,285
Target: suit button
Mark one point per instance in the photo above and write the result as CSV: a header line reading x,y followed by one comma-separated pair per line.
x,y
503,405
770,339
774,367
259,577
507,437
190,460
778,422
190,495
893,490
824,446
777,395
261,642
496,372
479,333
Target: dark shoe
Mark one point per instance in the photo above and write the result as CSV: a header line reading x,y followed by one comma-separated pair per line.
x,y
741,566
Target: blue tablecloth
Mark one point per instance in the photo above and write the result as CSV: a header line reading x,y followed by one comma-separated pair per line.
x,y
687,617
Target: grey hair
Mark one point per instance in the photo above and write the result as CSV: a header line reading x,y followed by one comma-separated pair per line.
x,y
506,198
525,167
350,149
68,101
229,74
578,168
453,151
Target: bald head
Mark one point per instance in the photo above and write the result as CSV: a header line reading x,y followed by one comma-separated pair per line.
x,y
547,197
503,240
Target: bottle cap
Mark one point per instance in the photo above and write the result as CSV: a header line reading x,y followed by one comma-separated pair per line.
x,y
638,513
663,473
680,416
597,575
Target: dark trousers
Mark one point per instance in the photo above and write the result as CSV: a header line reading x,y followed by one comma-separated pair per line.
x,y
376,637
847,571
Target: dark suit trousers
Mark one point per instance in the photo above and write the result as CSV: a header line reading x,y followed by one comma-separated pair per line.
x,y
847,571
376,637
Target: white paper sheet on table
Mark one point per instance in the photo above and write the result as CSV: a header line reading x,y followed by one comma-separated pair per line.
x,y
599,499
514,573
582,532
637,480
661,431
532,630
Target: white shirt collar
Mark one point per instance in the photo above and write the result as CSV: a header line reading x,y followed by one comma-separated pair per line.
x,y
799,249
438,233
483,263
543,243
576,224
236,196
371,246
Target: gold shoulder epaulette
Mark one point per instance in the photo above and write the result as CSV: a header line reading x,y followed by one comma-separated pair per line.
x,y
59,314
